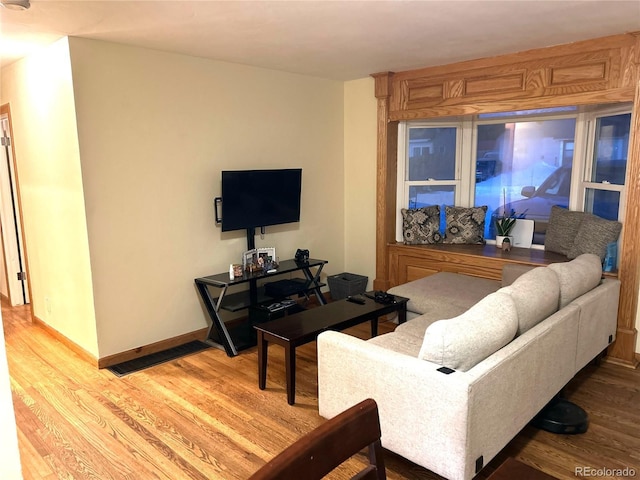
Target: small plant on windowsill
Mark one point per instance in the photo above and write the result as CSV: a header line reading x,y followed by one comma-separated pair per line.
x,y
505,222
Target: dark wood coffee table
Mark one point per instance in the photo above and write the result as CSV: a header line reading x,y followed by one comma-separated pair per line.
x,y
304,327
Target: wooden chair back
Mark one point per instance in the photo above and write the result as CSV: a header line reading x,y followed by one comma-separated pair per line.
x,y
332,443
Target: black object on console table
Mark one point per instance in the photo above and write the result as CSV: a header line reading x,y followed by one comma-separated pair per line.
x,y
242,335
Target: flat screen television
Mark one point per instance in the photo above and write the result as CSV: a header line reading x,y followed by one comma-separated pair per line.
x,y
259,198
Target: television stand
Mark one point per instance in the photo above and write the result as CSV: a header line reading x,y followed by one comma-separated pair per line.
x,y
240,335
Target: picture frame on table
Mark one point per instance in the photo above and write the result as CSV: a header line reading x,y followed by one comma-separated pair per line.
x,y
266,257
249,259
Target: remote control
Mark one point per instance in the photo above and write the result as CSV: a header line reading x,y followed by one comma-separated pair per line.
x,y
275,307
356,299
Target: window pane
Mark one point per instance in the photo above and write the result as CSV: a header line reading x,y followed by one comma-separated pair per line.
x,y
611,149
426,195
432,154
527,165
603,203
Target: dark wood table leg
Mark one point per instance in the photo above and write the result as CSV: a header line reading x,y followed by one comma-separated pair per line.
x,y
402,314
263,347
374,327
290,372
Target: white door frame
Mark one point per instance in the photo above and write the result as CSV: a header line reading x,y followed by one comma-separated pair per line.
x,y
15,261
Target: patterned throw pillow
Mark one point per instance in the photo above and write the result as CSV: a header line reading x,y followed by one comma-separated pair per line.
x,y
421,225
465,225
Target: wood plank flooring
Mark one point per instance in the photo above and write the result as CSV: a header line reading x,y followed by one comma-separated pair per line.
x,y
203,416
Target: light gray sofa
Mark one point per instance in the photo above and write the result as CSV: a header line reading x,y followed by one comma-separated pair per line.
x,y
454,388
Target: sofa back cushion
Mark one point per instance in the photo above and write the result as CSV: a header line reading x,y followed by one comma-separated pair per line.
x,y
577,277
536,295
462,342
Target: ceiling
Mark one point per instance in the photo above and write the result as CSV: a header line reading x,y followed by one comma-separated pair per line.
x,y
341,40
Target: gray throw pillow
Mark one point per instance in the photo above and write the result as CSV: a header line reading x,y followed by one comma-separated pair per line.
x,y
594,235
562,229
421,225
465,225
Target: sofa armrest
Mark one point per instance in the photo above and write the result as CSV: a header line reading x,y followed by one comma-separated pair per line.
x,y
412,396
598,320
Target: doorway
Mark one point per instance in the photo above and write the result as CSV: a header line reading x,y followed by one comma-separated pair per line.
x,y
14,282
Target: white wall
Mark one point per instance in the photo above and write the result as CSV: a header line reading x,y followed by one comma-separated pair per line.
x,y
155,130
40,95
360,133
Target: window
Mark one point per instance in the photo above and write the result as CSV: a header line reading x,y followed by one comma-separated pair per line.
x,y
430,174
524,161
607,168
525,167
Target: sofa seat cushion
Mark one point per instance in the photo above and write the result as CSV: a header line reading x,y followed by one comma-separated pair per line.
x,y
437,291
398,342
536,295
418,325
577,277
462,342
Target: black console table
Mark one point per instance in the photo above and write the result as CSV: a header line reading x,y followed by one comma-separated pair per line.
x,y
241,335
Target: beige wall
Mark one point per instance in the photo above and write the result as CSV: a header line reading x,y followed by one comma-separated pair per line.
x,y
155,131
360,141
39,92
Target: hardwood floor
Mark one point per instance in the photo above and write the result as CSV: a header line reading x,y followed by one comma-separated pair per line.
x,y
203,416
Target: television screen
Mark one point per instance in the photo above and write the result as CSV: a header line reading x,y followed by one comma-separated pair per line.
x,y
258,198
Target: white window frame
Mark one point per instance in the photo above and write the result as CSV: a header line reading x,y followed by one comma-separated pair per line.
x,y
461,187
466,140
590,120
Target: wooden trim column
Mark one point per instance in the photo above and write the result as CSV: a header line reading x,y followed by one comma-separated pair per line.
x,y
623,350
386,179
